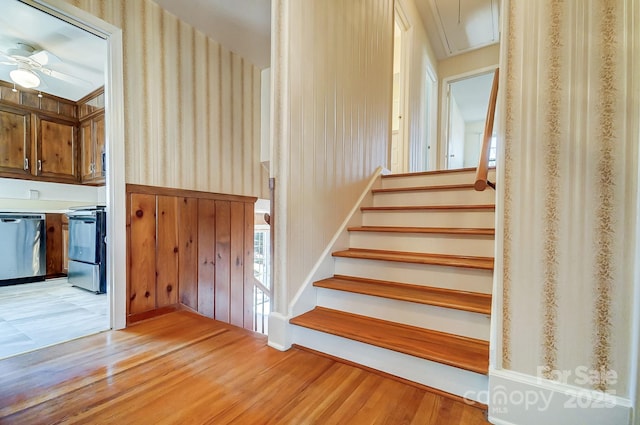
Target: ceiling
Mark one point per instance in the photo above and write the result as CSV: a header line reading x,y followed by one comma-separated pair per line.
x,y
242,26
472,96
456,27
81,54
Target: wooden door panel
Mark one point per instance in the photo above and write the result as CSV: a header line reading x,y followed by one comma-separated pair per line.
x,y
188,252
86,150
167,251
54,244
206,257
223,259
15,140
248,266
236,271
99,137
57,150
142,253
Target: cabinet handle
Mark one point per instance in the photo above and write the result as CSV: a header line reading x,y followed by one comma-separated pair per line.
x,y
39,165
92,167
26,163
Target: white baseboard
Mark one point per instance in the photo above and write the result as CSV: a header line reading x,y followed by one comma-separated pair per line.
x,y
518,399
279,334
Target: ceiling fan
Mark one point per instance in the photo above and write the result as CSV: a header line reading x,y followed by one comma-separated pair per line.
x,y
31,65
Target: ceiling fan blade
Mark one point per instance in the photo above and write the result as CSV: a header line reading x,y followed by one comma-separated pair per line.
x,y
44,57
6,58
7,63
65,77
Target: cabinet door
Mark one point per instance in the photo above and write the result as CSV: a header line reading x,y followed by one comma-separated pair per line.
x,y
15,141
86,150
56,150
54,244
98,147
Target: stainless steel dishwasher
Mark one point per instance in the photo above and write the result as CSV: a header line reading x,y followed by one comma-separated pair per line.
x,y
22,248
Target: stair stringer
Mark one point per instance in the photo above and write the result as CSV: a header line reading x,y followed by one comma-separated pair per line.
x,y
305,299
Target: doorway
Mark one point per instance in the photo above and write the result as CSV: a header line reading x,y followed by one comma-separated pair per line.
x,y
465,106
113,195
399,146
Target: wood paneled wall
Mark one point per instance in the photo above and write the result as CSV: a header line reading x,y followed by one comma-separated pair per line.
x,y
190,248
192,107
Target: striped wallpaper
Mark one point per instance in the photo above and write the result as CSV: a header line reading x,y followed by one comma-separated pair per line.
x,y
192,107
338,58
570,188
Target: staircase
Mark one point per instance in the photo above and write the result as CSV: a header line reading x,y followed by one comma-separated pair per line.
x,y
411,296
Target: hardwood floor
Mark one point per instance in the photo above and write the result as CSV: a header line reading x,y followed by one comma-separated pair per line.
x,y
184,368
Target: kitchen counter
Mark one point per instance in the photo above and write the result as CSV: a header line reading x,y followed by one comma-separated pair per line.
x,y
38,206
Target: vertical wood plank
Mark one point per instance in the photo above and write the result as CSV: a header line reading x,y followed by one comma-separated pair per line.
x,y
248,265
53,242
188,252
142,253
236,266
223,257
206,256
167,251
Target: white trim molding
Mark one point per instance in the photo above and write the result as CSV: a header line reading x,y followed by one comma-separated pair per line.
x,y
516,398
114,117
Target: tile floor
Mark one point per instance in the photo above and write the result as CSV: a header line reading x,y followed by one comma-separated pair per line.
x,y
36,315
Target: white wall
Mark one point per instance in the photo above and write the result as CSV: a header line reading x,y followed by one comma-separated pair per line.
x,y
459,65
38,196
421,58
473,132
332,73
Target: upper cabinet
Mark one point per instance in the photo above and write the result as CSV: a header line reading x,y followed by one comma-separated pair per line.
x,y
47,138
92,138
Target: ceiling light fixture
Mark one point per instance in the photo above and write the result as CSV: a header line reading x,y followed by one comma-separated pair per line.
x,y
25,78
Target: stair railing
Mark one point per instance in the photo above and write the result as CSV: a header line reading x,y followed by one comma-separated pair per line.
x,y
482,172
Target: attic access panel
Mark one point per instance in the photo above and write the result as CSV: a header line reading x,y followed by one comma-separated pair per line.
x,y
466,24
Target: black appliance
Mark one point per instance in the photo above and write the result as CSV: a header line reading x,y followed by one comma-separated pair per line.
x,y
87,248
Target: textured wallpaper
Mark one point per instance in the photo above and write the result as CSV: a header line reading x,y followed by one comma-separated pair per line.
x,y
192,108
570,172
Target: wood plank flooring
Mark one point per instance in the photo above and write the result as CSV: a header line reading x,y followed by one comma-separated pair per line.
x,y
184,368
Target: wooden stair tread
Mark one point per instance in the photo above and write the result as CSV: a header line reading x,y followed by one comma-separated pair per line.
x,y
435,230
453,350
485,263
449,298
490,207
423,188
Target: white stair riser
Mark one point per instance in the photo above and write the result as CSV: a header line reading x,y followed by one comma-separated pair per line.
x,y
434,197
448,218
472,325
461,177
427,243
436,375
460,278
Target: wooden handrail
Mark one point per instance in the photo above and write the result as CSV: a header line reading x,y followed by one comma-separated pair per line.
x,y
482,172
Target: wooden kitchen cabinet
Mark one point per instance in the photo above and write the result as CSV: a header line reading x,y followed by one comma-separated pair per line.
x,y
15,141
65,244
92,138
56,150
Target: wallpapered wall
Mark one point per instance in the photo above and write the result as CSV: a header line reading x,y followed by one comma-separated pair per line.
x,y
192,107
570,189
337,124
